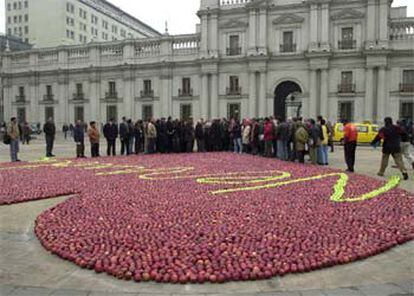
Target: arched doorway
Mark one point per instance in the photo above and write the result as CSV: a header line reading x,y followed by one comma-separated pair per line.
x,y
282,92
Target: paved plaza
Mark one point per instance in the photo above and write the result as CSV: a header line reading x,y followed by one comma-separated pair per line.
x,y
26,268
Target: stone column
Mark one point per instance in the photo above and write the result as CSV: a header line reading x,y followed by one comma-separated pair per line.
x,y
382,93
252,95
369,94
214,96
383,20
63,100
214,35
313,95
128,96
313,34
204,101
325,27
8,99
33,98
370,23
252,31
204,34
263,31
324,93
263,112
166,96
95,98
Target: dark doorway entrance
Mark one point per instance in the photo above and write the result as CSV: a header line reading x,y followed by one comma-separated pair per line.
x,y
282,91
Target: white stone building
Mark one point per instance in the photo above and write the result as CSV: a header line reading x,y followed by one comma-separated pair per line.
x,y
342,59
47,23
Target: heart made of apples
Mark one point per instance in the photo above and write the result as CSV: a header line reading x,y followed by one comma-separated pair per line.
x,y
214,217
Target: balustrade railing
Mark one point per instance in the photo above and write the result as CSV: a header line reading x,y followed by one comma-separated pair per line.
x,y
234,91
346,88
78,55
48,58
234,2
112,52
402,29
186,45
147,48
407,87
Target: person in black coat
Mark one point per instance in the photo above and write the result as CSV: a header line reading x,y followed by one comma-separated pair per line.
x,y
124,136
110,131
391,134
79,137
170,135
199,136
50,131
139,136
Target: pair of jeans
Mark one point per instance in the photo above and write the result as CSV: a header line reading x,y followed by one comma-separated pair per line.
x,y
49,145
323,155
282,150
111,147
350,150
125,146
237,144
14,149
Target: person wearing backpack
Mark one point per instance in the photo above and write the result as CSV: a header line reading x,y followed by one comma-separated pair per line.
x,y
13,134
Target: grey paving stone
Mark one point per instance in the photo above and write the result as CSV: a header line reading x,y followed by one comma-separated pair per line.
x,y
29,291
382,290
313,293
407,286
344,292
6,289
69,293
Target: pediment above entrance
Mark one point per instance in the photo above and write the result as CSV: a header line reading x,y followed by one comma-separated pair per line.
x,y
288,19
233,23
347,13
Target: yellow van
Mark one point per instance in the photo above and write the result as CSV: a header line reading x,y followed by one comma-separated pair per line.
x,y
366,132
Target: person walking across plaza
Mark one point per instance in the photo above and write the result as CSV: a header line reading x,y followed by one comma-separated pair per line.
x,y
94,135
13,133
110,131
405,142
350,144
50,132
79,137
391,135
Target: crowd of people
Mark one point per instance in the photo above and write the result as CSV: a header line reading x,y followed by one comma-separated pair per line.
x,y
287,140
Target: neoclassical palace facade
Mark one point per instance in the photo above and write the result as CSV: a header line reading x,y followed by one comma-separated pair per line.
x,y
343,59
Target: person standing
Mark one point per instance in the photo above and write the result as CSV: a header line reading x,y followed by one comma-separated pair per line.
x,y
314,141
110,131
138,136
268,132
391,134
79,137
325,143
124,136
301,139
236,135
282,135
350,144
13,133
199,135
94,135
50,131
151,136
27,131
65,130
246,136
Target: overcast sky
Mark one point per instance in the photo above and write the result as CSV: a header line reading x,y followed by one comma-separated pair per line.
x,y
180,14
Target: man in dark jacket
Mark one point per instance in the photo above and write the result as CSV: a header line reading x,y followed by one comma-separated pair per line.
x,y
391,134
124,136
79,137
50,131
199,135
110,131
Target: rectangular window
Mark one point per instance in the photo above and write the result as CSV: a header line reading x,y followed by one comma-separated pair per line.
x,y
9,31
21,115
79,88
186,112
49,90
346,85
234,85
21,91
407,111
346,111
26,30
15,19
123,33
288,45
20,18
9,20
49,113
26,17
8,6
147,87
233,110
114,29
408,76
14,5
111,113
70,7
26,4
79,113
20,5
112,88
347,39
186,84
147,112
234,48
105,25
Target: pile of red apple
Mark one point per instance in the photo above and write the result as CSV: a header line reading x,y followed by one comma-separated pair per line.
x,y
176,231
